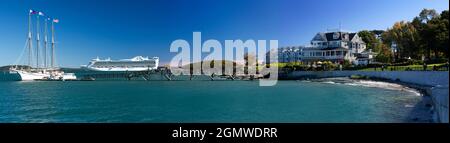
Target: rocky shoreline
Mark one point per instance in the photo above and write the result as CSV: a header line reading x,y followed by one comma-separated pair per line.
x,y
425,115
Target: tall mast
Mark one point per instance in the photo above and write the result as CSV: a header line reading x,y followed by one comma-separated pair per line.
x,y
45,43
37,39
53,45
30,45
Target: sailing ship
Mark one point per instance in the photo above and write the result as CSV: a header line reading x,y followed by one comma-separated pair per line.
x,y
39,71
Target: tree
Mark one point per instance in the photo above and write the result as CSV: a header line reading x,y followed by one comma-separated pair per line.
x,y
421,42
443,35
433,31
383,51
406,36
426,31
384,55
377,32
438,28
425,36
427,14
368,38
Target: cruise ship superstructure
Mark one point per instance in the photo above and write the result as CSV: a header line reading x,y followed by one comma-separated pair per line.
x,y
137,63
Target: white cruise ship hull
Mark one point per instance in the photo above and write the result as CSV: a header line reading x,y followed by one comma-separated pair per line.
x,y
118,69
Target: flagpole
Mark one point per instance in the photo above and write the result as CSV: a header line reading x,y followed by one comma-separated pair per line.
x,y
37,39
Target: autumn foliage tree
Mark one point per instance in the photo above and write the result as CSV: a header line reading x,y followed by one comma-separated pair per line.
x,y
425,37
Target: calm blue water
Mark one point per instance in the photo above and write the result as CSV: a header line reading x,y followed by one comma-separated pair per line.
x,y
200,101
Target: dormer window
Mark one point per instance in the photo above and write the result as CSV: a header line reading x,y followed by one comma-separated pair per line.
x,y
336,35
346,37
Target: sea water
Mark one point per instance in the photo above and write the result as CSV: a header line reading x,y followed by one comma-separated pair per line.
x,y
204,102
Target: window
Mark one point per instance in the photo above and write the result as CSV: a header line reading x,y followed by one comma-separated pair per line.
x,y
318,53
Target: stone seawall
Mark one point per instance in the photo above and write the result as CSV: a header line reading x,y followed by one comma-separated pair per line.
x,y
435,81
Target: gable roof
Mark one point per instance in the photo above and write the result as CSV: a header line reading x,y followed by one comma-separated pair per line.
x,y
319,37
352,35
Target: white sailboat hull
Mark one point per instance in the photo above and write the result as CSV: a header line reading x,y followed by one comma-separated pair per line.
x,y
30,76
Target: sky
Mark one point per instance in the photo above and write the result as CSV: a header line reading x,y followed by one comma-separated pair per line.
x,y
122,29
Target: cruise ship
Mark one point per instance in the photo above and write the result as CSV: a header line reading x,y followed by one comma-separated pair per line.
x,y
137,63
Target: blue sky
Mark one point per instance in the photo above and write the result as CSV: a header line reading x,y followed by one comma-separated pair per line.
x,y
126,28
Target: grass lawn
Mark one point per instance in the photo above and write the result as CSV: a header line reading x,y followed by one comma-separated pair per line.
x,y
403,68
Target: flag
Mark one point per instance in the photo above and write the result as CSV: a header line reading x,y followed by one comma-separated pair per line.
x,y
56,20
41,13
33,11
